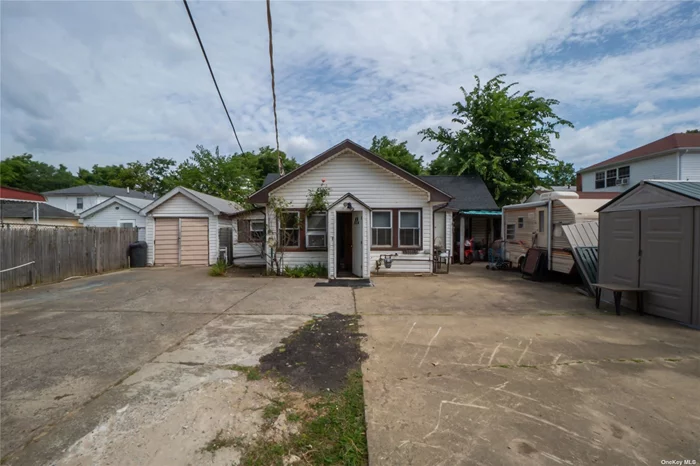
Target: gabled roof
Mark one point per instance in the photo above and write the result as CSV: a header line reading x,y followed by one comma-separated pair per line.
x,y
671,142
18,209
130,203
95,190
688,189
469,191
346,196
216,205
261,196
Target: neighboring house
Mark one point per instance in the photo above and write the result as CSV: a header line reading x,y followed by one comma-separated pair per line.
x,y
183,227
80,198
20,195
375,209
675,157
23,212
117,211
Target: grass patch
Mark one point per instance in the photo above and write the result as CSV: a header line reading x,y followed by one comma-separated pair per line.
x,y
218,269
307,271
673,359
505,366
220,441
274,409
332,432
528,366
252,373
638,361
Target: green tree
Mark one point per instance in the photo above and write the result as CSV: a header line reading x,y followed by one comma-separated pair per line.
x,y
397,153
691,131
265,161
560,174
504,137
23,172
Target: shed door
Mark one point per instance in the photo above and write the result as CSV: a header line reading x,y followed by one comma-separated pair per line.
x,y
194,233
166,244
619,248
667,262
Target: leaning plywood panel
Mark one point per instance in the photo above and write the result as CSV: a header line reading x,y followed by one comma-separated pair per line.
x,y
666,269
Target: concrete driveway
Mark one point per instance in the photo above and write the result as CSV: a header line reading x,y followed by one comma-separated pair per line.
x,y
482,367
131,367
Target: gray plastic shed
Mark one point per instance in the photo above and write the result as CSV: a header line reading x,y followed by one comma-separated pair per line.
x,y
650,238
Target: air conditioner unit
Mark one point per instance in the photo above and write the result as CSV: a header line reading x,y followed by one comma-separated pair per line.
x,y
623,181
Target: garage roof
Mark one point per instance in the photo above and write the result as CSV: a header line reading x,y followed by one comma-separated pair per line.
x,y
215,204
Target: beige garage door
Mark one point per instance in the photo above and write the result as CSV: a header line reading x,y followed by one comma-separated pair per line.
x,y
195,241
166,245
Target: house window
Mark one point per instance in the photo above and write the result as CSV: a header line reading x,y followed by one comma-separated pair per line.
x,y
611,177
316,231
289,229
623,172
257,231
540,219
510,231
599,180
381,228
79,203
409,228
521,222
127,223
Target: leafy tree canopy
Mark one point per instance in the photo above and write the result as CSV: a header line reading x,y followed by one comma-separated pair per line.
x,y
560,174
503,136
397,153
22,171
690,131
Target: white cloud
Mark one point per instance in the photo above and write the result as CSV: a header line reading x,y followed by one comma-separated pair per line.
x,y
108,82
644,107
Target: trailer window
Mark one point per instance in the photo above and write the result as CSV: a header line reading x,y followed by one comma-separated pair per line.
x,y
521,222
510,231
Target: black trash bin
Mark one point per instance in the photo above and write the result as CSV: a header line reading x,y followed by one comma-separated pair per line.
x,y
138,256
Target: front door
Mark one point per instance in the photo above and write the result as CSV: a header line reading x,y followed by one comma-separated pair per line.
x,y
357,244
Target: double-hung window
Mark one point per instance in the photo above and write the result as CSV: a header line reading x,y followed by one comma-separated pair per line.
x,y
316,231
510,231
79,203
521,222
623,172
289,229
611,177
257,231
599,180
381,228
409,228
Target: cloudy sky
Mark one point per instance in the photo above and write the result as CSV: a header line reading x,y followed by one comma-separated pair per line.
x,y
106,82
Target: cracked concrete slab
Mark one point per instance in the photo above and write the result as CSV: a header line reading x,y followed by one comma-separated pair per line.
x,y
496,378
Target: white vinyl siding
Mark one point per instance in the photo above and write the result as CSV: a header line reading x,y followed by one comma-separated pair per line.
x,y
69,203
180,206
110,216
664,167
690,166
350,173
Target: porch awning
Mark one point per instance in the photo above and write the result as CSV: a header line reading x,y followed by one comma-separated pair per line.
x,y
491,213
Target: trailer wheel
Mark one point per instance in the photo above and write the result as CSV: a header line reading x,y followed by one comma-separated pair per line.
x,y
521,264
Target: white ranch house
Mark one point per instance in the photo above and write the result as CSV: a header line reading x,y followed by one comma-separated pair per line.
x,y
375,209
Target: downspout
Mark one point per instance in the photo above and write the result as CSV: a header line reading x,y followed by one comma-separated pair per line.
x,y
680,161
550,233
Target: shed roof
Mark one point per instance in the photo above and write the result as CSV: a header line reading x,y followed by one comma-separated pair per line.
x,y
97,190
469,191
14,209
215,204
686,188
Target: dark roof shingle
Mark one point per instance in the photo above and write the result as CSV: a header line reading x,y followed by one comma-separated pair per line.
x,y
94,190
469,191
10,209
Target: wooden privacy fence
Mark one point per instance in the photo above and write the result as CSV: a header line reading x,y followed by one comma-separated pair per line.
x,y
60,252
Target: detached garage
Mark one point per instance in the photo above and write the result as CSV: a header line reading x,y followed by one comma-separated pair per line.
x,y
650,238
183,227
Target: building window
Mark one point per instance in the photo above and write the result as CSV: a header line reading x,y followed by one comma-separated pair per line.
x,y
257,231
623,172
521,222
79,203
289,229
127,223
316,231
611,177
510,231
409,228
540,219
381,228
599,180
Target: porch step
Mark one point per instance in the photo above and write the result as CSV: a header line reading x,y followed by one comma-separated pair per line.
x,y
348,282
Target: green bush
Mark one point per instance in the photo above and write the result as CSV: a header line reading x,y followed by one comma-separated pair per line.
x,y
307,271
218,269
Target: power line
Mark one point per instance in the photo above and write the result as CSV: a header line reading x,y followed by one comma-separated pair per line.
x,y
211,72
280,167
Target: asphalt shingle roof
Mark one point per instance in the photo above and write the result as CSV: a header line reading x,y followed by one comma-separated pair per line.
x,y
11,209
469,191
269,178
94,190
